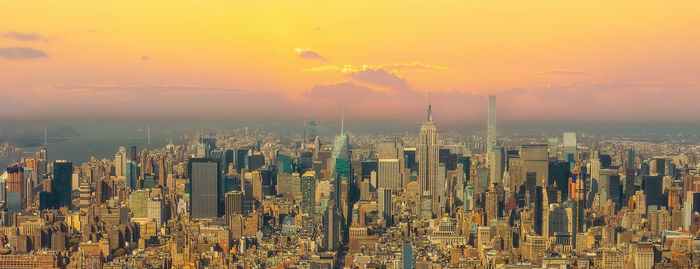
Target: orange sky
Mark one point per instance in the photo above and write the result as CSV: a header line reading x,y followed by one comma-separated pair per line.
x,y
113,58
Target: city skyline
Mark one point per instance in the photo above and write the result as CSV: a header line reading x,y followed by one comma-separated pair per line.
x,y
350,135
545,60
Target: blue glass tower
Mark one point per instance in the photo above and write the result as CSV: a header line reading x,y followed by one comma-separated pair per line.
x,y
130,173
284,163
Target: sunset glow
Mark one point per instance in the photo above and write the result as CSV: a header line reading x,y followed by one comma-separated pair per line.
x,y
307,58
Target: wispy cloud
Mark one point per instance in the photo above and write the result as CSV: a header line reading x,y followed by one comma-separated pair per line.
x,y
390,67
308,54
145,58
23,36
21,53
562,73
414,65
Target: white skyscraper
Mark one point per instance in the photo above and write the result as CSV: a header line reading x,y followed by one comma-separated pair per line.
x,y
120,162
491,127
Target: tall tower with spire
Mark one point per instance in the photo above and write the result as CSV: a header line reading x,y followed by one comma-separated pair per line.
x,y
428,162
491,124
340,152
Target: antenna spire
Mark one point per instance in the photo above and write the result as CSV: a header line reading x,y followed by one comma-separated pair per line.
x,y
148,131
46,140
430,113
342,121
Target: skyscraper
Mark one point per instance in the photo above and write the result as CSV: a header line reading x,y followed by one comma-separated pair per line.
x,y
130,175
384,204
630,158
61,183
205,182
239,159
497,160
308,192
15,197
138,203
568,152
119,162
233,204
332,227
491,128
389,174
428,160
535,159
132,153
340,156
284,162
257,181
578,187
312,130
652,187
608,187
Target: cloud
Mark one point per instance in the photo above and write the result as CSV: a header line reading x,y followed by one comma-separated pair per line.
x,y
308,54
342,93
21,53
562,73
23,36
317,28
379,77
344,69
365,96
145,58
414,65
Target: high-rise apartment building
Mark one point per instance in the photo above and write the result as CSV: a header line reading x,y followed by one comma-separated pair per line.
x,y
308,192
491,125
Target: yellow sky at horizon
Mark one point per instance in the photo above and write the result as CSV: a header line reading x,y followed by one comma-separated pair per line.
x,y
486,46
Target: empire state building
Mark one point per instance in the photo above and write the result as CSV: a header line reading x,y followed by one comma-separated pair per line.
x,y
428,162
